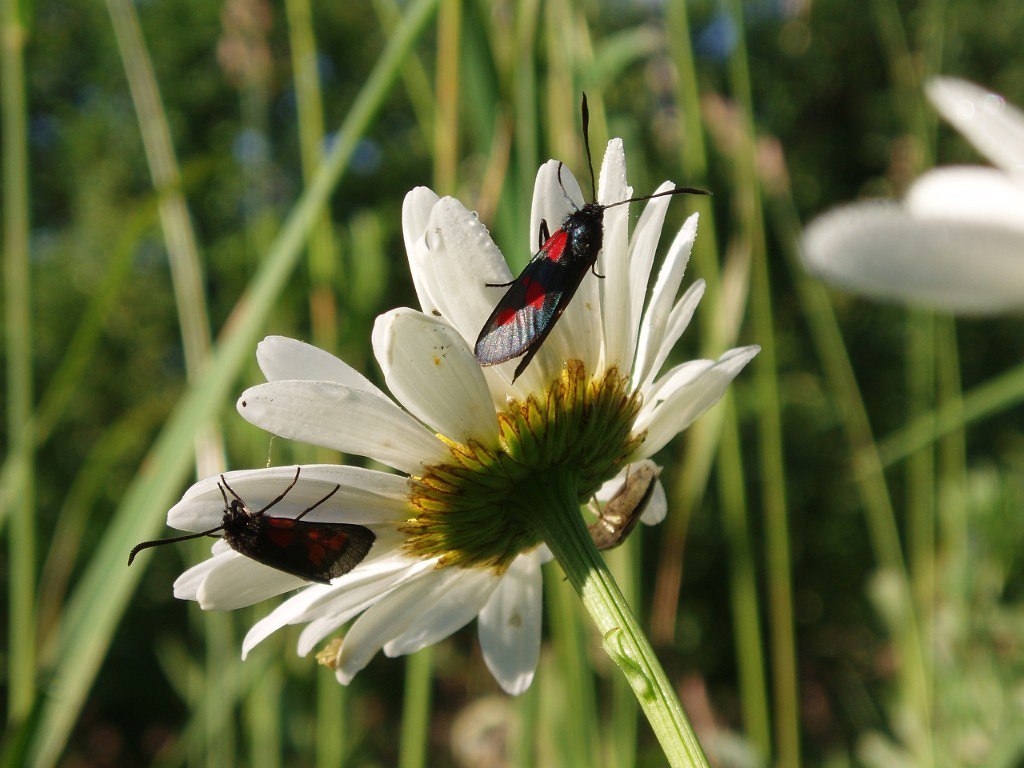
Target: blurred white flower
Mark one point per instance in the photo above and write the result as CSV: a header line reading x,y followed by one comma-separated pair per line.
x,y
453,535
956,243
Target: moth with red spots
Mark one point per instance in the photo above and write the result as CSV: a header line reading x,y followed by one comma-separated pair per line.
x,y
535,300
312,551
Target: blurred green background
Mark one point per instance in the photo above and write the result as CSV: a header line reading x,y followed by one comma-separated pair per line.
x,y
838,582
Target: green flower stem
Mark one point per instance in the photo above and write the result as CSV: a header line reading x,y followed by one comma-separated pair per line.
x,y
552,505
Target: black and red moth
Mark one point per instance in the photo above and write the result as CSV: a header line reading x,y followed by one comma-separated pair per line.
x,y
312,551
535,300
623,511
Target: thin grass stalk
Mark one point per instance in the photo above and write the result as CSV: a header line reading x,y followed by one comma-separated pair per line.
x,y
576,731
743,588
333,731
106,586
563,37
921,513
323,256
952,454
21,654
264,714
220,736
414,74
772,471
414,743
523,746
446,117
179,237
525,116
953,506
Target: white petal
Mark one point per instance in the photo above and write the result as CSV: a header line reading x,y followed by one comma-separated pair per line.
x,y
432,371
338,602
286,613
881,251
365,497
281,358
994,127
237,582
390,617
677,323
345,419
352,598
670,277
971,194
614,260
456,264
677,377
186,586
460,261
685,404
642,248
510,623
415,216
461,603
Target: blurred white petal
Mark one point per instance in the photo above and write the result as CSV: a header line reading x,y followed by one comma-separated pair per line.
x,y
993,126
879,250
970,194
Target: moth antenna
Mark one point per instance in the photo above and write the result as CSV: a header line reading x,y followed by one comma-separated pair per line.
x,y
224,484
565,194
586,143
158,542
283,493
325,498
666,193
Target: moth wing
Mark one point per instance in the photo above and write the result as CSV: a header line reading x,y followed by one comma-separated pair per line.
x,y
524,315
312,551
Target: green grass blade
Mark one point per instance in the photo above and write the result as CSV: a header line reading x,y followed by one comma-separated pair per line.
x,y
414,745
786,695
21,655
106,584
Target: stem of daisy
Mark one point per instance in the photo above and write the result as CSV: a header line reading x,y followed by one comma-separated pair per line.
x,y
554,508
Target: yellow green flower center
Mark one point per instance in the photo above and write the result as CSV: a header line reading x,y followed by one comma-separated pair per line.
x,y
474,511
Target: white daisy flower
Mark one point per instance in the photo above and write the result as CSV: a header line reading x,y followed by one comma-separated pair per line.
x,y
456,532
956,243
